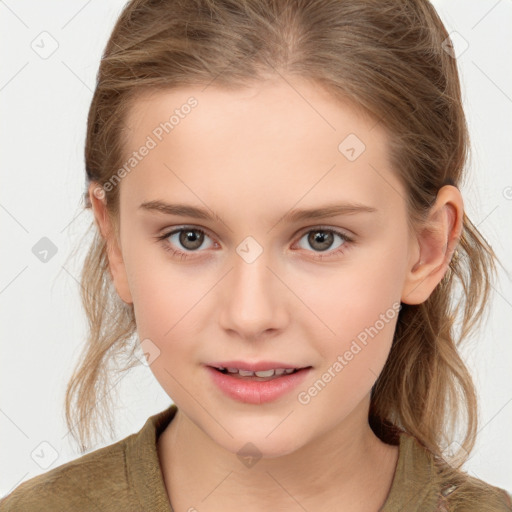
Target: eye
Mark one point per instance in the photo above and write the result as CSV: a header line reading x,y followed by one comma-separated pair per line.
x,y
186,240
324,239
187,237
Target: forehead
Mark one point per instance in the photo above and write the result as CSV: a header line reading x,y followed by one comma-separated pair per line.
x,y
281,142
291,111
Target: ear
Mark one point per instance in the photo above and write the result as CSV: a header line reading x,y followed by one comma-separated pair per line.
x,y
115,258
434,245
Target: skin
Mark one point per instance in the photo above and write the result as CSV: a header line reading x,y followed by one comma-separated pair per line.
x,y
250,156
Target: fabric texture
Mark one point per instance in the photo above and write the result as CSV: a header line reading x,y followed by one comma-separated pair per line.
x,y
126,477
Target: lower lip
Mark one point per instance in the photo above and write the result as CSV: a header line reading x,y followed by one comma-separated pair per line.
x,y
256,392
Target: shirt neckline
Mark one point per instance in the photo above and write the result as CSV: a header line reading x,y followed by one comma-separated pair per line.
x,y
143,465
415,486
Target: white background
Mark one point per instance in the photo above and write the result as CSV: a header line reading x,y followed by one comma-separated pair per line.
x,y
44,106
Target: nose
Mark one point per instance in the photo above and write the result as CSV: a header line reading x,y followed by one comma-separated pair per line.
x,y
254,301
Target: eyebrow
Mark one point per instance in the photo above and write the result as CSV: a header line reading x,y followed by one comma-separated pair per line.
x,y
330,210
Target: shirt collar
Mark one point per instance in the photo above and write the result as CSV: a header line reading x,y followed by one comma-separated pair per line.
x,y
415,486
143,465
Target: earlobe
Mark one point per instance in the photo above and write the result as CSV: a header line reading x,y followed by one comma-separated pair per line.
x,y
435,244
115,259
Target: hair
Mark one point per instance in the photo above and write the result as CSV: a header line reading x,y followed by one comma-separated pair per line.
x,y
391,58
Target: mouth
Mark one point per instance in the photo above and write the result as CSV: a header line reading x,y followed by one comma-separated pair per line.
x,y
259,371
261,375
256,383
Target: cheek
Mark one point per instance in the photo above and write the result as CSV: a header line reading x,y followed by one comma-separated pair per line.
x,y
355,314
165,300
344,302
363,320
166,307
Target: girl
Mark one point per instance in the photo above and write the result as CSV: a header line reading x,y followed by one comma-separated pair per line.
x,y
277,217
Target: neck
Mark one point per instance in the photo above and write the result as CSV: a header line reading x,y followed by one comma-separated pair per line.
x,y
348,468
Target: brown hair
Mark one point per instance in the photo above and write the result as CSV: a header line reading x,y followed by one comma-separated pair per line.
x,y
386,56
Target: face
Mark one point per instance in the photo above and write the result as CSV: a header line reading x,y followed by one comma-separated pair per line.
x,y
253,280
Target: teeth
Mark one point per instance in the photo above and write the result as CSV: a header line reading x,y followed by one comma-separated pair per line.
x,y
261,373
264,373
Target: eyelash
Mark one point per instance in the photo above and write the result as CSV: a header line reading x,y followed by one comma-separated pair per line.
x,y
347,241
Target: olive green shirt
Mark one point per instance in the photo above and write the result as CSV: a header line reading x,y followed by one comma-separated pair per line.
x,y
126,476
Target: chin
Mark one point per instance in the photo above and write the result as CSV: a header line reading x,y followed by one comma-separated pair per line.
x,y
260,446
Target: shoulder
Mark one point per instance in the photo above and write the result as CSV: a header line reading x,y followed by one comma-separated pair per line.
x,y
433,484
79,485
464,493
457,491
122,476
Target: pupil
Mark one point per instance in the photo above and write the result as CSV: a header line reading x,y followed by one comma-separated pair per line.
x,y
324,238
195,238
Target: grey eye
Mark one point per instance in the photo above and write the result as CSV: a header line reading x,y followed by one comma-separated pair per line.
x,y
323,239
188,238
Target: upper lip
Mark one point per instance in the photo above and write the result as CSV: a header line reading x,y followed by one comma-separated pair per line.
x,y
254,366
